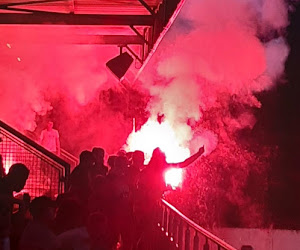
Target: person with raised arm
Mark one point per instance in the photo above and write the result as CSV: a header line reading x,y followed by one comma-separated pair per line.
x,y
152,178
151,187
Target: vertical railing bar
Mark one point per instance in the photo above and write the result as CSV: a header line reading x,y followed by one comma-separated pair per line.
x,y
163,217
160,215
180,235
196,241
206,245
174,230
170,224
166,220
187,241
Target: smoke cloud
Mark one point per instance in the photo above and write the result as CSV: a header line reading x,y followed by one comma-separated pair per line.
x,y
216,50
43,77
204,77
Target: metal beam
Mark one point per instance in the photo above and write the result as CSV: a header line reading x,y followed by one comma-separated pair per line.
x,y
108,39
81,39
75,19
3,6
138,34
141,60
147,7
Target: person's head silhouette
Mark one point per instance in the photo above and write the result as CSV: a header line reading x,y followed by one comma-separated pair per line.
x,y
158,159
87,159
17,176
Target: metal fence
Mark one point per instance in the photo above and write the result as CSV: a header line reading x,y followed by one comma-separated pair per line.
x,y
47,172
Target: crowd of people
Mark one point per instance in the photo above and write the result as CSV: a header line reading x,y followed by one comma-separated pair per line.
x,y
105,207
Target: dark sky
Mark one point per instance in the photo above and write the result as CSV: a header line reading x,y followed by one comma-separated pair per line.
x,y
280,119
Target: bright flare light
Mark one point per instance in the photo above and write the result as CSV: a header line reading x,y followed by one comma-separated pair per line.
x,y
173,177
154,134
8,162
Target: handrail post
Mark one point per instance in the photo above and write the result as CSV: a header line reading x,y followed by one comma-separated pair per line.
x,y
206,245
180,235
165,220
170,224
174,229
187,238
159,215
162,218
196,241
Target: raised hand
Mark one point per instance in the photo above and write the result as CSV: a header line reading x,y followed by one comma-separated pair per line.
x,y
201,150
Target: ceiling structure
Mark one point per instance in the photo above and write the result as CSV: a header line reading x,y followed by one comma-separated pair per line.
x,y
123,23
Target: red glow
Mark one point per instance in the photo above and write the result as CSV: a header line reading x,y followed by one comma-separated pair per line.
x,y
173,177
7,161
162,135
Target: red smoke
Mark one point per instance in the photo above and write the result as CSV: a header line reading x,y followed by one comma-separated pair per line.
x,y
203,76
211,51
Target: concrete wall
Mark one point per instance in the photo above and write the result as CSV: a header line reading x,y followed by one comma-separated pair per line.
x,y
260,239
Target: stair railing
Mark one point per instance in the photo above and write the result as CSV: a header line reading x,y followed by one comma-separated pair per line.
x,y
184,233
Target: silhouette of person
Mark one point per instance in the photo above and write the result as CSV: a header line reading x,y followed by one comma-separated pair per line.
x,y
37,234
100,232
81,177
71,219
153,176
100,197
49,139
151,187
99,168
111,161
120,216
15,180
137,164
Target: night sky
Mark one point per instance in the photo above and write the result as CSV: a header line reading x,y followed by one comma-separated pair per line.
x,y
280,120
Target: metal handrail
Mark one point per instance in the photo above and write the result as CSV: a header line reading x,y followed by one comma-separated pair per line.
x,y
173,222
68,157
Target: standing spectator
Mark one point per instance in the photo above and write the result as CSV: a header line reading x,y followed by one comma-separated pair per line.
x,y
14,181
152,177
70,221
100,168
137,164
37,234
120,215
49,139
151,187
100,232
19,220
81,177
111,161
